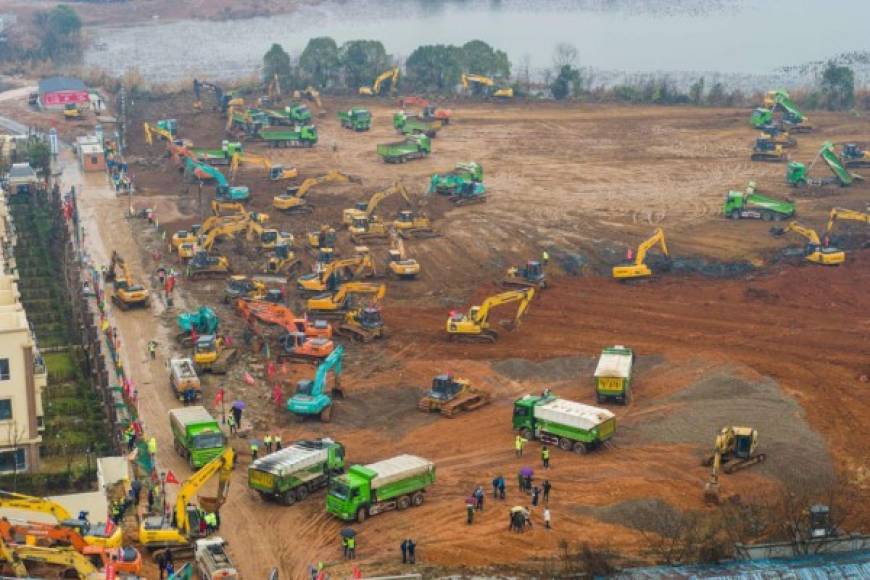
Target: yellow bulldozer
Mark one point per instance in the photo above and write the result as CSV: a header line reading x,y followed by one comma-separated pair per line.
x,y
210,354
735,449
450,395
400,265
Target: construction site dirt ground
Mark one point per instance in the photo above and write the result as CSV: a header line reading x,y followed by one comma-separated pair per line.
x,y
742,334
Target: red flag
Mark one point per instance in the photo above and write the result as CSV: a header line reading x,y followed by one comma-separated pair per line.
x,y
219,397
110,526
270,369
277,394
170,477
110,572
248,378
193,335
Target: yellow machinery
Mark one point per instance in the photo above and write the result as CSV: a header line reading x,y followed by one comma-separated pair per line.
x,y
735,448
359,266
340,301
204,265
368,229
128,294
68,558
474,326
450,395
375,90
205,242
311,94
363,324
282,260
765,149
638,268
400,265
501,93
151,130
226,208
293,200
71,112
276,172
93,535
158,531
322,239
839,213
268,238
195,232
367,209
211,354
813,251
781,138
410,224
531,274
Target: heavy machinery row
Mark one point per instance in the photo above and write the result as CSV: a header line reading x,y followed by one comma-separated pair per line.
x,y
340,295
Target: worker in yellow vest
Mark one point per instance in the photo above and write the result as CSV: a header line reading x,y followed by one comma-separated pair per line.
x,y
278,442
267,442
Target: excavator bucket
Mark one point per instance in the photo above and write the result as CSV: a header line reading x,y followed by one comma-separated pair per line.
x,y
711,493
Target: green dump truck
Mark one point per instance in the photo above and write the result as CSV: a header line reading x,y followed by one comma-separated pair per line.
x,y
222,156
292,473
297,136
414,125
570,425
748,204
367,490
613,375
797,174
298,112
358,119
413,147
196,435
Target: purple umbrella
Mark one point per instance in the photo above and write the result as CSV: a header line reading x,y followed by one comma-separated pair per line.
x,y
527,472
238,405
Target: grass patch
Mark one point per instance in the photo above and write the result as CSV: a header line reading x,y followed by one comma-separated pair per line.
x,y
61,366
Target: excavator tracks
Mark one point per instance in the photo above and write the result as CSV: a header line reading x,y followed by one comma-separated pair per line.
x,y
735,466
459,200
487,336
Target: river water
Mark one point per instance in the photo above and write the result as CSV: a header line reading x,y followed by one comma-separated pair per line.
x,y
738,39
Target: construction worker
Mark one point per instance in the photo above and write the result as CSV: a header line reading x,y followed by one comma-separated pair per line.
x,y
469,509
254,449
547,486
519,443
211,522
545,257
351,547
152,349
545,456
277,439
231,422
152,447
267,441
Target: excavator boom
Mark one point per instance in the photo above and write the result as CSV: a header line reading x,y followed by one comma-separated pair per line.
x,y
638,268
475,325
839,213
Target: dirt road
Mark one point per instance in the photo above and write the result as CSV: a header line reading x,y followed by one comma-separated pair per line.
x,y
785,348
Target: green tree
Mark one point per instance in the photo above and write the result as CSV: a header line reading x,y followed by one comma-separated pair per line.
x,y
838,87
480,58
362,61
276,61
696,91
435,68
60,33
319,61
565,83
39,156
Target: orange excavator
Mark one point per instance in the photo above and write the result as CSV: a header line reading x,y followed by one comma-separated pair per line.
x,y
280,315
127,560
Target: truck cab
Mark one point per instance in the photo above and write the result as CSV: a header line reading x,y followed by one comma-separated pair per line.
x,y
349,494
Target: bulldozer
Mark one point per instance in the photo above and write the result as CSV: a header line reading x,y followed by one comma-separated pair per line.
x,y
211,354
399,264
293,199
735,449
450,395
363,324
638,268
202,265
529,275
282,260
474,326
765,149
127,293
366,229
854,156
71,112
322,239
814,251
359,266
410,224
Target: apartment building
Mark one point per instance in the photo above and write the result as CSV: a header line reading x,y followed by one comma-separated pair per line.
x,y
23,374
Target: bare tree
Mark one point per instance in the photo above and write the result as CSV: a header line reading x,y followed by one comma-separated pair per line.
x,y
14,437
524,74
565,54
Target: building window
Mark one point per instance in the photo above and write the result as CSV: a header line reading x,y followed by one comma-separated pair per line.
x,y
5,409
13,460
4,369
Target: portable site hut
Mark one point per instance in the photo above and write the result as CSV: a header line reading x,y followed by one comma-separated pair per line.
x,y
56,92
91,154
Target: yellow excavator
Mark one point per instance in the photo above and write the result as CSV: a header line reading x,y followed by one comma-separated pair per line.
x,y
474,326
839,213
276,172
94,535
734,448
128,294
151,130
499,93
638,268
268,238
813,251
158,531
311,94
226,208
361,265
375,90
228,231
293,200
367,209
67,558
273,91
341,301
400,265
197,232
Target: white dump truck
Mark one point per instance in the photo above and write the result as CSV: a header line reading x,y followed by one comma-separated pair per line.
x,y
212,560
613,375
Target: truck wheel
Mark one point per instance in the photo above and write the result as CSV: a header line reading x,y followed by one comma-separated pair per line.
x,y
735,214
361,515
766,216
403,503
526,434
417,499
289,498
580,448
601,399
301,492
565,444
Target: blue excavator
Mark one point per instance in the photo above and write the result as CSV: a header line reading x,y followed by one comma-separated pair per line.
x,y
311,399
223,190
